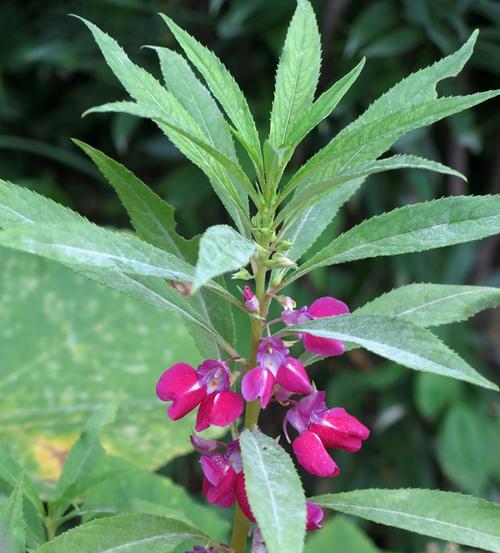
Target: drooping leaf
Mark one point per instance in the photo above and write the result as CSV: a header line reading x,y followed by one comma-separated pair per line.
x,y
397,340
133,533
433,304
154,221
84,457
323,106
12,525
297,74
156,102
223,87
222,249
274,491
71,347
444,515
413,228
468,448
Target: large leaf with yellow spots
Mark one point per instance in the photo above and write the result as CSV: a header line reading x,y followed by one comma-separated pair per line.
x,y
68,345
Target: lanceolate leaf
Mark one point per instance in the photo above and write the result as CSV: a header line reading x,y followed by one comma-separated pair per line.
x,y
154,221
444,515
222,249
223,87
12,525
433,304
323,106
413,228
133,533
397,340
274,491
297,75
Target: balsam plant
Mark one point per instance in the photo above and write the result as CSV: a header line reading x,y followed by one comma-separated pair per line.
x,y
277,218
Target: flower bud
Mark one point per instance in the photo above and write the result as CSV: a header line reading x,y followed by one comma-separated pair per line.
x,y
250,300
202,446
242,274
281,260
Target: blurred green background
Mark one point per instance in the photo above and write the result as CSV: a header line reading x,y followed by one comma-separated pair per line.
x,y
427,431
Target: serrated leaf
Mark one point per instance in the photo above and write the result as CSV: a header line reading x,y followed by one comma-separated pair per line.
x,y
155,101
297,74
154,221
84,457
274,491
133,533
413,228
444,515
69,346
433,304
323,106
222,249
397,340
223,87
12,525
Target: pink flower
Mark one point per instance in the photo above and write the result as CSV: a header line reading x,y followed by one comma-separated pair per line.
x,y
320,428
322,307
315,515
224,481
275,367
250,300
208,387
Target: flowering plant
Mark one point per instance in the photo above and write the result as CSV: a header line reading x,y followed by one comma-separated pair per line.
x,y
277,217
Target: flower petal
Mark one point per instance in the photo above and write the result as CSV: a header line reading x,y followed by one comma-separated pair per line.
x,y
258,383
315,515
242,498
326,347
327,307
180,384
218,409
312,455
338,428
293,377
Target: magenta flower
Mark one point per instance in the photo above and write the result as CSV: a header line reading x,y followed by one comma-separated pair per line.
x,y
208,387
315,515
320,428
322,307
224,482
275,367
250,300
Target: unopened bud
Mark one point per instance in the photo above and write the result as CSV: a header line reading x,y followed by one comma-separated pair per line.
x,y
202,446
287,302
242,274
184,288
284,245
281,260
250,300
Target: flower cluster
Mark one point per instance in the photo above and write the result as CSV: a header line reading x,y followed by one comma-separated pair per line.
x,y
277,376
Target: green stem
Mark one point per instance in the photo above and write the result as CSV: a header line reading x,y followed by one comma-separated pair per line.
x,y
241,525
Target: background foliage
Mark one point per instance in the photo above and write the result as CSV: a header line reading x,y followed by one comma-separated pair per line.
x,y
428,431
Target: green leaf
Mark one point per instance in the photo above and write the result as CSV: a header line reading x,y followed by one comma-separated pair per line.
x,y
323,106
155,101
223,87
297,75
84,457
128,488
133,533
339,535
185,86
413,228
448,516
434,393
222,249
397,340
12,525
410,104
154,221
71,346
433,304
468,448
274,491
